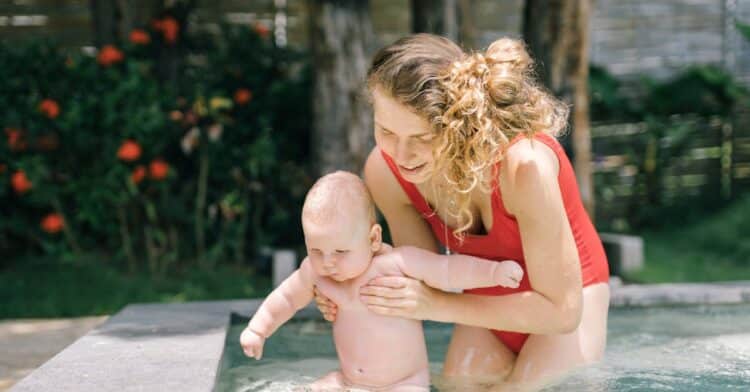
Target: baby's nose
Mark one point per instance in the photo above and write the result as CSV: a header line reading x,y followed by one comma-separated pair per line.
x,y
328,261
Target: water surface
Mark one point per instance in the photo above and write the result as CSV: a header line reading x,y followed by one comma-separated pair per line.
x,y
695,348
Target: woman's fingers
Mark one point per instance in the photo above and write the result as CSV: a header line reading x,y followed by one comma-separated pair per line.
x,y
379,291
387,311
327,308
387,302
395,282
319,297
325,305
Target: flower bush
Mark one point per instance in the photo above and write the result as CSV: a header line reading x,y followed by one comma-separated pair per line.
x,y
102,155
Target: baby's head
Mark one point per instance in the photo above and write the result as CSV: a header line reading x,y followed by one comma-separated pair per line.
x,y
341,232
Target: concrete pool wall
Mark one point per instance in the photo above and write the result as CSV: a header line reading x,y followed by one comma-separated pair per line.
x,y
157,347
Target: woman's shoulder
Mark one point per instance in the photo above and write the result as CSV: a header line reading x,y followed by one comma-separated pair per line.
x,y
380,180
527,167
526,156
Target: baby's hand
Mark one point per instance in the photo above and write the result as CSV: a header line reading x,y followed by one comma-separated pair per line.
x,y
508,274
252,343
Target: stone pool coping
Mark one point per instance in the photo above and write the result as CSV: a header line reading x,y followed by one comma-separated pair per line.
x,y
157,347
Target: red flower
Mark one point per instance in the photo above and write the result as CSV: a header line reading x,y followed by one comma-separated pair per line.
x,y
262,30
109,55
20,182
159,169
139,173
53,223
49,108
139,37
242,96
175,115
169,28
129,151
16,139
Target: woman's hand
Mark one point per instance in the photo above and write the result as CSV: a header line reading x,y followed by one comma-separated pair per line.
x,y
399,296
325,305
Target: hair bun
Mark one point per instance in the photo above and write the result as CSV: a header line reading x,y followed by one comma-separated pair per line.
x,y
509,52
509,64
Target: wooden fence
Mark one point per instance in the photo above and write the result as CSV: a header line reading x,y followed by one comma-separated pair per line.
x,y
679,162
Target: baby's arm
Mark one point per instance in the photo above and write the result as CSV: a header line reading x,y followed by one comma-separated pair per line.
x,y
457,271
293,294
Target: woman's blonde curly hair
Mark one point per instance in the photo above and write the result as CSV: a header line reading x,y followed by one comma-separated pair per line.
x,y
476,104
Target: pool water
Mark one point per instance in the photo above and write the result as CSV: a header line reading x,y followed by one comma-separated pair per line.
x,y
696,348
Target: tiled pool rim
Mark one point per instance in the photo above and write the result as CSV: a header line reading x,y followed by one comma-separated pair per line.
x,y
157,347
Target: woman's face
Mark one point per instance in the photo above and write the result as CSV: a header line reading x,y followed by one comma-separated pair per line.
x,y
404,136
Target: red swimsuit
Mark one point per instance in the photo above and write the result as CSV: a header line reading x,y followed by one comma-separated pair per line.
x,y
503,242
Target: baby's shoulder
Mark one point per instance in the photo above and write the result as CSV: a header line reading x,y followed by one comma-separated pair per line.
x,y
383,265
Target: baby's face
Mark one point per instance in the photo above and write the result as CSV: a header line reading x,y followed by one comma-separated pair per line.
x,y
339,249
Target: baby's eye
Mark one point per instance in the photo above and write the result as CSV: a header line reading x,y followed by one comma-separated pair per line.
x,y
341,251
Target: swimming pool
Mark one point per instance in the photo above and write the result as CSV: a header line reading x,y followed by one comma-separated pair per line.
x,y
682,348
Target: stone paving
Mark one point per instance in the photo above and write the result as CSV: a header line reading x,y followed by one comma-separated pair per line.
x,y
26,344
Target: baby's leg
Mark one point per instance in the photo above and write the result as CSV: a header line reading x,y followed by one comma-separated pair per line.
x,y
419,382
333,381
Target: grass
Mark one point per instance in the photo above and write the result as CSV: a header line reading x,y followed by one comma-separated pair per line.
x,y
713,248
44,288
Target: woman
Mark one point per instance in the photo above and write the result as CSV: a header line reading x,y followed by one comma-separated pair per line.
x,y
466,157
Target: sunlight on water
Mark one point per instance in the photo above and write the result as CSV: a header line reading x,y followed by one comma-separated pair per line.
x,y
705,348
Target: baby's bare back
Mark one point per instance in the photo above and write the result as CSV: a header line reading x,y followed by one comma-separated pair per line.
x,y
373,350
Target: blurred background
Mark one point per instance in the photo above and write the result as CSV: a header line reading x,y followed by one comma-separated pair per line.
x,y
160,150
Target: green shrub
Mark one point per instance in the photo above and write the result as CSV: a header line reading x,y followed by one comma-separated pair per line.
x,y
149,171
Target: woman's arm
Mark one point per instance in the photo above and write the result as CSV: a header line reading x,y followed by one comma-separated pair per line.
x,y
530,192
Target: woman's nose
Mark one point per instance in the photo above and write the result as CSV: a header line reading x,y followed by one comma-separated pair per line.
x,y
403,151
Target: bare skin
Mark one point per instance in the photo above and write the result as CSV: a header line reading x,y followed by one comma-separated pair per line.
x,y
376,352
567,323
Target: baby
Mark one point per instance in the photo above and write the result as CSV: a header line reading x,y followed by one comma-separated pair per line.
x,y
342,236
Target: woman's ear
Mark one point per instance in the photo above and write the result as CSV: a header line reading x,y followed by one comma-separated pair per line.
x,y
376,237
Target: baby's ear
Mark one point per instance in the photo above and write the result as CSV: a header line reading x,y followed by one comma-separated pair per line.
x,y
376,237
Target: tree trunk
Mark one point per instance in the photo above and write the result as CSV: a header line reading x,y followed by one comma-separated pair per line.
x,y
342,40
113,20
136,14
467,29
438,17
557,33
104,21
